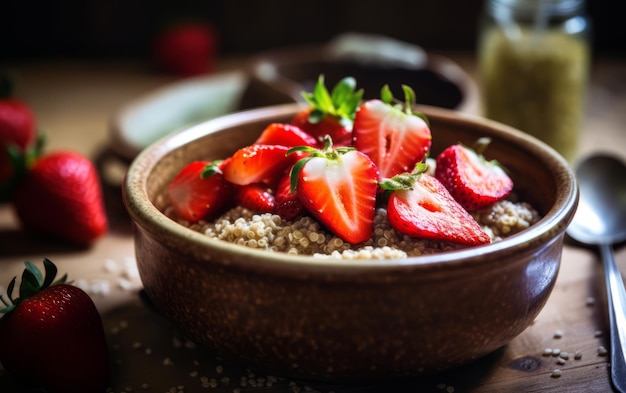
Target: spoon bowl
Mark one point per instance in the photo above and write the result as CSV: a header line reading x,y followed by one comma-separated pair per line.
x,y
601,214
600,220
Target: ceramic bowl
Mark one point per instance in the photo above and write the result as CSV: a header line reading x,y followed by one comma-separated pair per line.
x,y
297,315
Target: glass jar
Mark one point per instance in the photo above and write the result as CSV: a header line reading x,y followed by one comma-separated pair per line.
x,y
533,65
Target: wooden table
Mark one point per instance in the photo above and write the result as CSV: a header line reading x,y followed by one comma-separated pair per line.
x,y
74,102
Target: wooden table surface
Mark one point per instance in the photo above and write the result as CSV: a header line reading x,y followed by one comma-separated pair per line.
x,y
74,102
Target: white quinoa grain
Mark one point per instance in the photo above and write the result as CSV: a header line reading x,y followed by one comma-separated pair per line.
x,y
306,236
590,301
578,355
558,334
560,361
547,352
598,333
602,351
564,355
556,352
556,373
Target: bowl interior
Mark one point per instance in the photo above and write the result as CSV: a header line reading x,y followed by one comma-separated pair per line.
x,y
541,176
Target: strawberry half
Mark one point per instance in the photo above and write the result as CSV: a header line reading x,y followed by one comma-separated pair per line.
x,y
258,164
199,190
338,187
285,134
420,206
394,137
288,204
472,180
52,334
256,197
331,113
61,196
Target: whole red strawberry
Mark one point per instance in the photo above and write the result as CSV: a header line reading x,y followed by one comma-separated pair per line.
x,y
61,196
331,113
17,131
472,180
199,190
52,333
187,49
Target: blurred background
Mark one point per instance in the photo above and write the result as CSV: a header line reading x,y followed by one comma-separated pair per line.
x,y
122,28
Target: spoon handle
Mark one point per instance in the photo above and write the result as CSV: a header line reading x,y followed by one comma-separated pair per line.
x,y
616,296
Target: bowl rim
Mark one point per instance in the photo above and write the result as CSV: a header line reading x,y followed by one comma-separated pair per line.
x,y
144,213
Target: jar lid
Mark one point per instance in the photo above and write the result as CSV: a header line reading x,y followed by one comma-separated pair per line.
x,y
529,8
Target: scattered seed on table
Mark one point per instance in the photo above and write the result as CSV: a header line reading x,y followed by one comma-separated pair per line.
x,y
590,301
564,355
556,352
558,334
560,361
556,373
547,352
602,351
597,333
578,355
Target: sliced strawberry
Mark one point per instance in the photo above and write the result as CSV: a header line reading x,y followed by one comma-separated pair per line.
x,y
472,180
199,190
420,206
338,187
258,163
288,203
285,134
256,197
330,113
395,138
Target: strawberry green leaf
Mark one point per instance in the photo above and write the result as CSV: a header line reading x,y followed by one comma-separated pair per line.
x,y
51,272
386,95
409,99
211,169
7,309
341,103
10,289
295,172
35,272
29,285
320,93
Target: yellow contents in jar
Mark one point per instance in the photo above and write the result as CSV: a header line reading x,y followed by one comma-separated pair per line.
x,y
536,83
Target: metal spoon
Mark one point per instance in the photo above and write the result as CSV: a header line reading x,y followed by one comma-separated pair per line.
x,y
601,221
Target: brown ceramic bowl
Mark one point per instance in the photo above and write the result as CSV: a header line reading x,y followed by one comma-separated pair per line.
x,y
308,317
